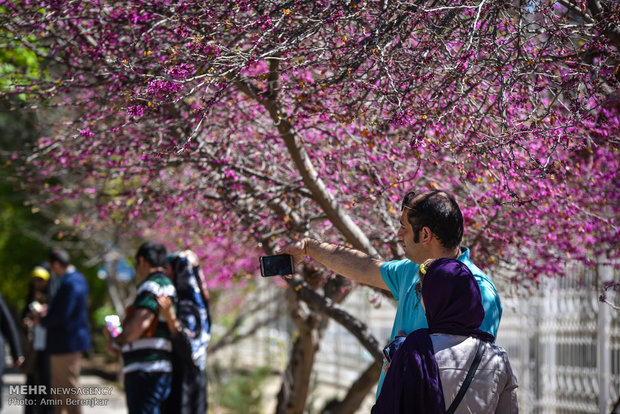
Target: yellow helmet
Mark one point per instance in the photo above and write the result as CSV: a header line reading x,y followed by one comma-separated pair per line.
x,y
41,273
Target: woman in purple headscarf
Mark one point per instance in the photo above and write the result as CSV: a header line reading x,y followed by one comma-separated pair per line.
x,y
428,369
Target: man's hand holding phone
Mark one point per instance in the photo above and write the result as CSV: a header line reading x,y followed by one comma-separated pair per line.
x,y
297,250
112,329
113,325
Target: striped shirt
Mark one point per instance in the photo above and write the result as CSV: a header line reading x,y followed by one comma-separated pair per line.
x,y
152,352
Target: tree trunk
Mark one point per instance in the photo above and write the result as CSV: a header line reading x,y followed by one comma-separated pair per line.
x,y
296,379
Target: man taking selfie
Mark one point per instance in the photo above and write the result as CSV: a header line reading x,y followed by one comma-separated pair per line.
x,y
431,227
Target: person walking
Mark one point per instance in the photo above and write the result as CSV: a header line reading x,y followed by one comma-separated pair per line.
x,y
431,226
451,366
68,334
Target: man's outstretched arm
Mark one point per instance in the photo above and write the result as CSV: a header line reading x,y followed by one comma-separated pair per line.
x,y
347,262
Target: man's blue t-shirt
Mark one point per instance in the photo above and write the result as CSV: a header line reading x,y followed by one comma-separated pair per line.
x,y
401,276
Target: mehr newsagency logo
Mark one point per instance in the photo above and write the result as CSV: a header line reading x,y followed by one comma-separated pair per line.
x,y
24,395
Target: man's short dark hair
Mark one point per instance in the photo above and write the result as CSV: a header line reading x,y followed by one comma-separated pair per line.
x,y
154,253
60,256
440,212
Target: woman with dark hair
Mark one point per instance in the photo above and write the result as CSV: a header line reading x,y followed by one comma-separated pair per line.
x,y
429,369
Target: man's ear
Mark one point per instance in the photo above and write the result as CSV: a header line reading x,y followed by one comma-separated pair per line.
x,y
427,235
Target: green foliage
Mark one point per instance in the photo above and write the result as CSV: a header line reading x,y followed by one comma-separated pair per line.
x,y
19,252
20,65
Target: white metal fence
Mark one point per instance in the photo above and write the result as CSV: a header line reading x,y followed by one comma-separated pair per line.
x,y
564,345
556,361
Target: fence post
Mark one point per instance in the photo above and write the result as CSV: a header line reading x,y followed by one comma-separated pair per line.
x,y
604,273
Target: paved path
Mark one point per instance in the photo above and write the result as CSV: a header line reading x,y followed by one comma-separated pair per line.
x,y
107,394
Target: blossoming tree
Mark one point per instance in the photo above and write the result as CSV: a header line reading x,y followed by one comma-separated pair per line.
x,y
249,123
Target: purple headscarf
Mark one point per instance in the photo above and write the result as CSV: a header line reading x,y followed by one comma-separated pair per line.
x,y
452,300
453,306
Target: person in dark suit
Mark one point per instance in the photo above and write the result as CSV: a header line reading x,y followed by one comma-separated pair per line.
x,y
68,334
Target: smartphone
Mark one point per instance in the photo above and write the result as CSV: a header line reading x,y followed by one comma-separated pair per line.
x,y
276,265
391,348
113,323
